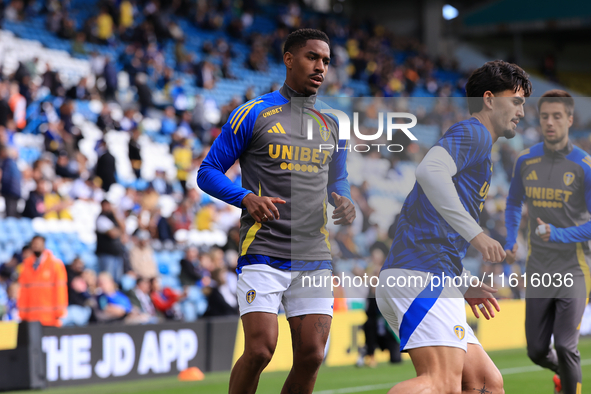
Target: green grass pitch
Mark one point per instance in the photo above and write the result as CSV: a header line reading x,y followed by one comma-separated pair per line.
x,y
520,375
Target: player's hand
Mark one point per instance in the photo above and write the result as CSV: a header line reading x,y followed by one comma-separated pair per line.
x,y
511,254
490,249
262,208
543,230
345,210
481,297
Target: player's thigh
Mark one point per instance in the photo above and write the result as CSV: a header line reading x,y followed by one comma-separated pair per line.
x,y
569,314
260,288
309,293
442,364
261,331
479,372
540,317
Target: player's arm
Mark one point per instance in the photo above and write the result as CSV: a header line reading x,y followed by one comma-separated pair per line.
x,y
339,191
575,233
224,152
434,175
513,211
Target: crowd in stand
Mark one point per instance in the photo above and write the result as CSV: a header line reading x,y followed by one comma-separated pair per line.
x,y
126,287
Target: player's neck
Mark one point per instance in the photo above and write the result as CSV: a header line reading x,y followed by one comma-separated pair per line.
x,y
487,125
558,146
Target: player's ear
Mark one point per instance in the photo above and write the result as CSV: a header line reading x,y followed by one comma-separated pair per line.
x,y
288,59
487,98
570,120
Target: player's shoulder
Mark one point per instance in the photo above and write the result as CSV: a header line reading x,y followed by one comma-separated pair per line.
x,y
466,133
470,128
582,158
251,110
532,152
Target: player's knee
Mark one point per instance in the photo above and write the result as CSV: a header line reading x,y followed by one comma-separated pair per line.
x,y
563,350
537,355
494,384
310,358
260,356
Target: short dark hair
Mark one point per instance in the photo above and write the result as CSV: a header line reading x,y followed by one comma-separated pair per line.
x,y
558,96
495,76
38,236
298,39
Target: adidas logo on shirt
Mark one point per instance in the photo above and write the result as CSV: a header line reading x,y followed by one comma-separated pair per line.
x,y
532,176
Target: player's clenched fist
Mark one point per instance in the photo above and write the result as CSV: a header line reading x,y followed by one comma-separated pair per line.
x,y
345,210
490,249
262,208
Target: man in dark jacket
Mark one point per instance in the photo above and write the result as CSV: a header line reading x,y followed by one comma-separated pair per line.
x,y
105,166
11,181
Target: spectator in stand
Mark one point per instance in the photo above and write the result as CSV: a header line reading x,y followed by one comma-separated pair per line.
x,y
183,159
112,305
144,93
140,298
183,217
221,301
111,82
109,243
56,206
104,25
105,122
18,106
63,167
194,277
105,166
11,312
134,153
54,138
160,184
79,299
11,181
35,205
169,122
5,110
129,122
44,289
141,256
166,300
191,270
51,80
79,91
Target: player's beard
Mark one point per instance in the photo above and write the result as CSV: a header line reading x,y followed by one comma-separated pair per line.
x,y
509,134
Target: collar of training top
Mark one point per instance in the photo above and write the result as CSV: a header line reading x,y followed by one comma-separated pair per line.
x,y
288,93
563,152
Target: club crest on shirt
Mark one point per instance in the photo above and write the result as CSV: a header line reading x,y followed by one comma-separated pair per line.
x,y
460,332
250,296
324,133
568,178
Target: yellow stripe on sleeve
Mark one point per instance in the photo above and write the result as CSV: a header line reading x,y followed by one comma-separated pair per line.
x,y
244,115
239,110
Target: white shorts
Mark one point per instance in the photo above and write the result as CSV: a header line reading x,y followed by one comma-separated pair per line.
x,y
422,317
262,289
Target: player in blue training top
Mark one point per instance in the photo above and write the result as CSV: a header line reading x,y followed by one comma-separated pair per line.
x,y
438,221
554,178
286,185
